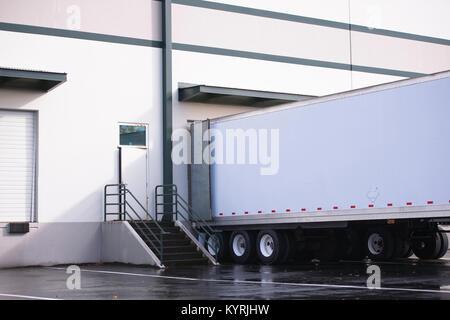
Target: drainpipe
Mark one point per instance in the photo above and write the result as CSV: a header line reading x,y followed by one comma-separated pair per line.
x,y
121,209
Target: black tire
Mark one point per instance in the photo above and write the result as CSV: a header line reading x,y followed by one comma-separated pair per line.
x,y
408,253
270,246
444,245
379,243
402,248
242,246
288,246
428,246
222,238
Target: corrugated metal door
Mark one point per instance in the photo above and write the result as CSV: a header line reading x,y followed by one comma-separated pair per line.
x,y
17,165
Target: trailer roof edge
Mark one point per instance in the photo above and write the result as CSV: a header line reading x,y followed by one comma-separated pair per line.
x,y
335,96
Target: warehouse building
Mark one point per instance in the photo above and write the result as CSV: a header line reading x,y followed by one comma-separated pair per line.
x,y
80,78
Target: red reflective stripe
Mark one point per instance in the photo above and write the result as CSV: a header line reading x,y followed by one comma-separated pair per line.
x,y
233,213
220,214
430,202
319,208
335,207
370,205
303,209
409,203
389,204
259,211
273,211
353,207
246,212
288,210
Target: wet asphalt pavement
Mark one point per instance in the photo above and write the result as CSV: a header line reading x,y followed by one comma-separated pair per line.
x,y
403,279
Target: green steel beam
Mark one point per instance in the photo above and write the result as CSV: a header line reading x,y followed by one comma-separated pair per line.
x,y
167,91
167,101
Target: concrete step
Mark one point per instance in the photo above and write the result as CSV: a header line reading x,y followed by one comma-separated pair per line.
x,y
173,235
154,229
185,262
154,226
182,256
184,248
176,242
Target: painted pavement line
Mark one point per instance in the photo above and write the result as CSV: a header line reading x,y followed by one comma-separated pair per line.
x,y
25,297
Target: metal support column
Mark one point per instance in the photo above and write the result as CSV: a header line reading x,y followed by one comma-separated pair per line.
x,y
167,94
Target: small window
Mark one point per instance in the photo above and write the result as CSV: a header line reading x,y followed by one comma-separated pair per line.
x,y
133,135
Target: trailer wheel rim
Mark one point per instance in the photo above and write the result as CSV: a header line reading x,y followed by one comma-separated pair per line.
x,y
266,245
375,243
239,245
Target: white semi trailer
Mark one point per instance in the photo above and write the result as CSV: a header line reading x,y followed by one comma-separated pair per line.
x,y
363,173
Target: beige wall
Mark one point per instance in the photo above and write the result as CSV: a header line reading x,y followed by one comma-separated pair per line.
x,y
426,18
336,10
135,18
252,33
214,28
399,54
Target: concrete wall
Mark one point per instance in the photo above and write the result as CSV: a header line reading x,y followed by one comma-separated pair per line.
x,y
51,244
120,243
57,243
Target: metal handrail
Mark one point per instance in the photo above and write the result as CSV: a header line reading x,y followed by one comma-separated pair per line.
x,y
195,215
147,213
192,215
166,202
156,242
147,229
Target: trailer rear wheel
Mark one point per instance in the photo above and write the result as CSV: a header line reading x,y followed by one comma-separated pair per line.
x,y
444,244
380,243
269,246
427,246
288,246
218,243
402,248
242,246
408,253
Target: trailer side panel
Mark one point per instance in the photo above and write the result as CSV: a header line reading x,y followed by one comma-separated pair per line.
x,y
383,149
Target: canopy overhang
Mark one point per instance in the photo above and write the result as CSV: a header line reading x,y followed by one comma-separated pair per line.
x,y
30,79
233,96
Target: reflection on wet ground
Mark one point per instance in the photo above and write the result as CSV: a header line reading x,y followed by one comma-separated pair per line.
x,y
404,279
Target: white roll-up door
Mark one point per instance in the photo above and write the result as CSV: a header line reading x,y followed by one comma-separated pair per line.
x,y
17,165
